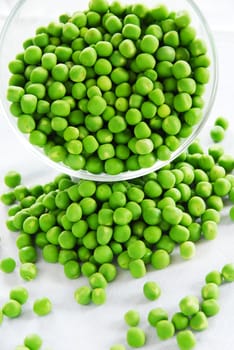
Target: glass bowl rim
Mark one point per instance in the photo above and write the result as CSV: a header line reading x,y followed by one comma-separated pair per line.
x,y
132,174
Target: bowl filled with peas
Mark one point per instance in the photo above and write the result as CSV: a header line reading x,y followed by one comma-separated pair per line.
x,y
104,90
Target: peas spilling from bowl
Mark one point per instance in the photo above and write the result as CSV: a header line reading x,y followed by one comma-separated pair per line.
x,y
88,226
110,89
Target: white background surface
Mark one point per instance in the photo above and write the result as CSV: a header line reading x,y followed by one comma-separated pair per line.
x,y
71,326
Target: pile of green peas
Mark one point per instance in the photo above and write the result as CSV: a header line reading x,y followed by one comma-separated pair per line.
x,y
87,227
191,318
110,89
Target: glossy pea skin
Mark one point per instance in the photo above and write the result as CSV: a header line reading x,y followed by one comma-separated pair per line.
x,y
135,337
33,341
42,307
12,309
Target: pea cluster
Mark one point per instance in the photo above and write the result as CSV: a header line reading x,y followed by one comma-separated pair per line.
x,y
193,314
217,132
111,89
87,226
13,307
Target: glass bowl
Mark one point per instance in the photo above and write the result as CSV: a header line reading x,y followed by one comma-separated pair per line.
x,y
28,15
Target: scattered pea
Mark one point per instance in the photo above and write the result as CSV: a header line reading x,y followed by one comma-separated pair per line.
x,y
83,295
42,307
136,337
33,341
165,329
132,318
189,305
228,272
12,309
186,340
7,265
210,291
151,290
12,179
28,271
19,294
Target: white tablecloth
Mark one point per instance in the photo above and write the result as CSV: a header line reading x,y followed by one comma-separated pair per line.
x,y
71,326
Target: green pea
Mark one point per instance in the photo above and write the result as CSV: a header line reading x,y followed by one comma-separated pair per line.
x,y
186,340
189,305
28,271
151,290
72,269
42,307
228,272
132,318
160,259
156,315
199,321
33,341
165,329
12,309
83,295
7,265
137,268
210,307
135,337
180,321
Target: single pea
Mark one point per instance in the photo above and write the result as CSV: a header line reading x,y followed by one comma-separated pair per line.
x,y
19,294
7,265
180,321
210,307
217,133
98,296
223,122
132,318
156,315
137,249
33,341
199,321
97,280
103,254
42,307
151,290
228,272
109,271
72,269
160,259
189,305
172,214
12,179
83,295
165,329
214,277
12,309
135,337
137,268
28,271
196,206
32,55
187,250
210,291
209,229
186,340
28,254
